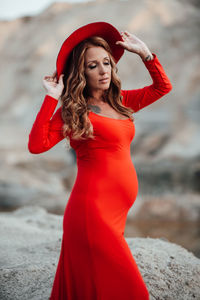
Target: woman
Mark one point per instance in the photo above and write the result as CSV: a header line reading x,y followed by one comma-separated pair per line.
x,y
95,261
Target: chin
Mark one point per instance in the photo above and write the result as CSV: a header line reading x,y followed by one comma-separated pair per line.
x,y
106,87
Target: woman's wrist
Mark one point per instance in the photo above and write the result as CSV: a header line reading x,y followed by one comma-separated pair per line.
x,y
146,56
53,96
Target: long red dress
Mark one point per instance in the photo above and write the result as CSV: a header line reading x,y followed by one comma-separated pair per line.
x,y
95,261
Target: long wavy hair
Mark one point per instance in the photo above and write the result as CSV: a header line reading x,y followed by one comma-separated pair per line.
x,y
74,98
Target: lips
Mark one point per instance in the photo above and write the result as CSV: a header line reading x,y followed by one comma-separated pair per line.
x,y
104,80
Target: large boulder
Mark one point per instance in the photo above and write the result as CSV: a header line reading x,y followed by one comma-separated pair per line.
x,y
30,246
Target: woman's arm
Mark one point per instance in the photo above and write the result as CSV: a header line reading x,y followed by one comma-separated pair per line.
x,y
140,98
47,128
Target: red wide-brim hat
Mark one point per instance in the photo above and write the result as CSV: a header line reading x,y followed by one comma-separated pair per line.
x,y
101,29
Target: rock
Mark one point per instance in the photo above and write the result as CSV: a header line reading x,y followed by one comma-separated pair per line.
x,y
36,180
174,175
30,244
30,247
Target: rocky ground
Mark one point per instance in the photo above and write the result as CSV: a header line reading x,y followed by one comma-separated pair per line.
x,y
30,246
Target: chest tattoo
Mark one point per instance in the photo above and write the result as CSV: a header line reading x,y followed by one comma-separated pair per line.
x,y
95,108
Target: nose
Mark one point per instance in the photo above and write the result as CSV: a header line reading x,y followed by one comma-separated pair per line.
x,y
102,69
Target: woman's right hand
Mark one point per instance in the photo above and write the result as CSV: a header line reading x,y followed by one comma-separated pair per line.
x,y
53,86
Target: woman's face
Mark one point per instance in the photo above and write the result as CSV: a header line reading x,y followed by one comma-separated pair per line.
x,y
97,69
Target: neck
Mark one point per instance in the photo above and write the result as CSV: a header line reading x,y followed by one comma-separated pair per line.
x,y
96,98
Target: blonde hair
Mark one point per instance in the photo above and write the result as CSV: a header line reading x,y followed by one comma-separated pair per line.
x,y
74,103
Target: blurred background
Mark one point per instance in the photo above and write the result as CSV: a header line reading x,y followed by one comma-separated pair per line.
x,y
166,147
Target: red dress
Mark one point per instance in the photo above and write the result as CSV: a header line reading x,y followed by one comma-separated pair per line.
x,y
95,261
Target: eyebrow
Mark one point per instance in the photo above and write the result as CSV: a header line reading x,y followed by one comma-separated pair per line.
x,y
106,57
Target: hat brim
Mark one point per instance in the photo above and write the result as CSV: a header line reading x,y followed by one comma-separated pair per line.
x,y
101,29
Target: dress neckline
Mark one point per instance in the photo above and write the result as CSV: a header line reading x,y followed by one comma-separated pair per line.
x,y
101,116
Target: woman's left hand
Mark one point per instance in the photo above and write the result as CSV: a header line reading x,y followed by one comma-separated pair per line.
x,y
133,44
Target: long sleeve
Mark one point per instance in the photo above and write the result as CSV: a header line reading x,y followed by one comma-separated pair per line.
x,y
47,128
140,98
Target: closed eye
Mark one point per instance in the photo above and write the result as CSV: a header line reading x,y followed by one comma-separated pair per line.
x,y
106,63
92,67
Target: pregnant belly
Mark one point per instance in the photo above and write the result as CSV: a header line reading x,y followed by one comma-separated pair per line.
x,y
114,192
120,185
108,180
112,184
103,192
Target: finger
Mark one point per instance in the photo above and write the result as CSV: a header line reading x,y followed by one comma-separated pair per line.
x,y
124,36
120,43
54,73
55,76
61,78
48,78
127,33
122,33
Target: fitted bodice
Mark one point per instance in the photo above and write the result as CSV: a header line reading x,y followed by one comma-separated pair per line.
x,y
112,138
